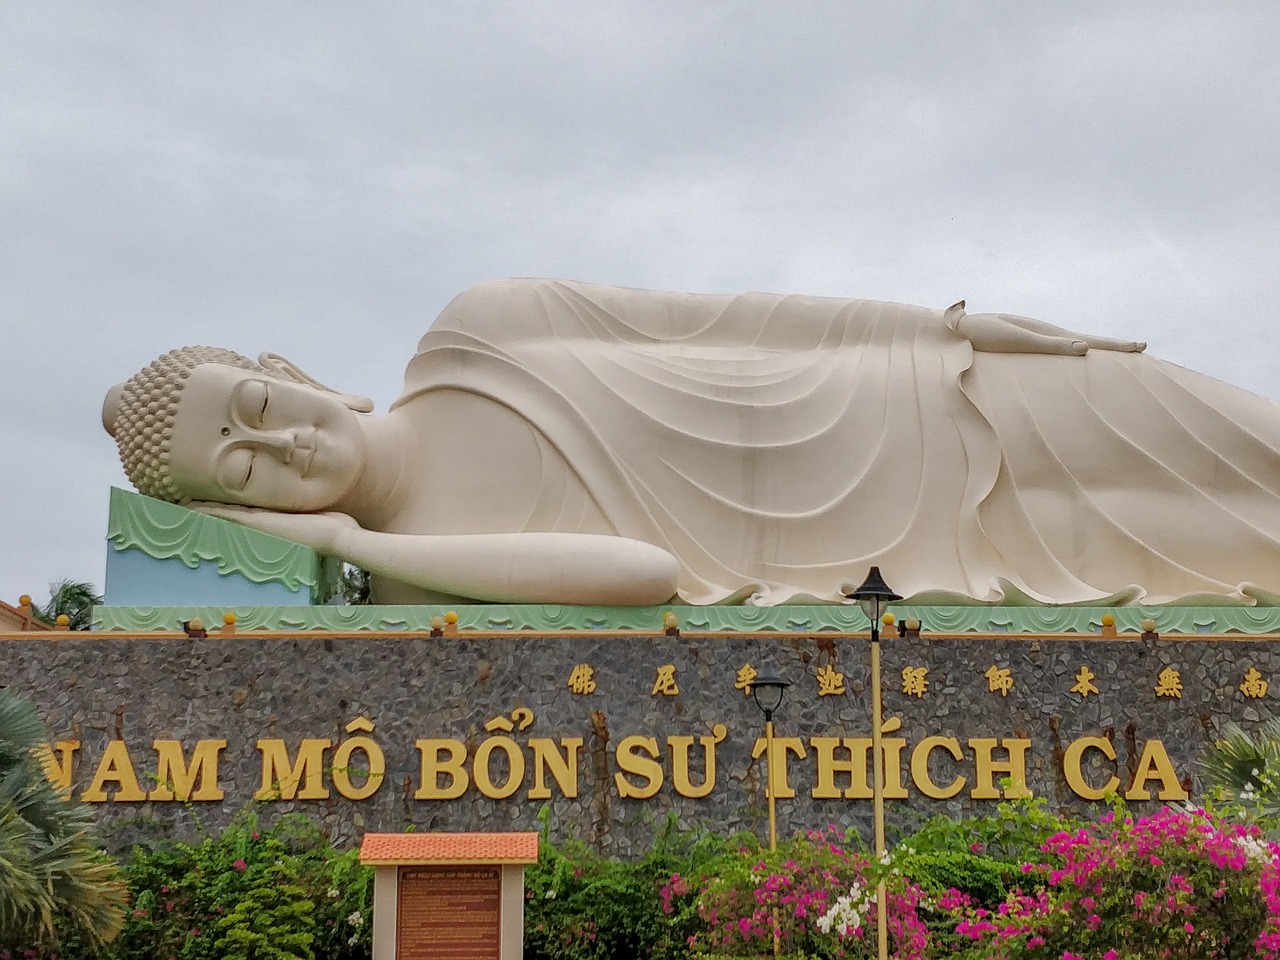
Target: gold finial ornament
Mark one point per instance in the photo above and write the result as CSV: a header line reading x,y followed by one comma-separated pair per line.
x,y
24,600
229,618
63,621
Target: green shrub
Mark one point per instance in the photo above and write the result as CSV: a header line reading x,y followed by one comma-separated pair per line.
x,y
249,893
580,905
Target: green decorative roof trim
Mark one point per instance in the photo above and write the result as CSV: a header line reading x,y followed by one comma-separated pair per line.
x,y
167,531
783,619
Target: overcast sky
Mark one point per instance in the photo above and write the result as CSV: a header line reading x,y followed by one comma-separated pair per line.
x,y
321,179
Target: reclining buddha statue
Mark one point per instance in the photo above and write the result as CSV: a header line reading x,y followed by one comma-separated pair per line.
x,y
562,442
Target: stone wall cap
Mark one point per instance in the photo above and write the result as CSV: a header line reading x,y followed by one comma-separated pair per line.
x,y
421,849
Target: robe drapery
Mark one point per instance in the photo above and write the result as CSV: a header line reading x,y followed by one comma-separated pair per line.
x,y
779,445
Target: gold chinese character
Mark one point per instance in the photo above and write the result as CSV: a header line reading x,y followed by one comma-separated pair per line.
x,y
999,680
1169,683
914,681
1084,682
1254,686
746,676
830,683
666,682
582,679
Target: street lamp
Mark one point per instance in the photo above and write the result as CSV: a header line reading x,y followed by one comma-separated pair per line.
x,y
767,691
874,596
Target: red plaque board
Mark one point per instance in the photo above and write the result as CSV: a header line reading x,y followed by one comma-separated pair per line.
x,y
448,913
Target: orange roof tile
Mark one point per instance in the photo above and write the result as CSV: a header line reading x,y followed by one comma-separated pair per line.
x,y
427,848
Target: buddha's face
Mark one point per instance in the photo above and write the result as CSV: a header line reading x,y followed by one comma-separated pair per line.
x,y
242,437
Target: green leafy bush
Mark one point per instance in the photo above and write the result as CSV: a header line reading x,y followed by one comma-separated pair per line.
x,y
250,893
1174,883
581,906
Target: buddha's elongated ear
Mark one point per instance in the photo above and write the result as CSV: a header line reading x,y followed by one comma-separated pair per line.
x,y
951,316
291,371
111,408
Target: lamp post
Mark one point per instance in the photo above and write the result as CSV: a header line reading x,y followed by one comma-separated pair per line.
x,y
767,690
874,596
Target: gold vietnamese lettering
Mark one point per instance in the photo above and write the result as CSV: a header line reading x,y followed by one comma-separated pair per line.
x,y
986,768
433,768
1155,763
920,767
176,779
482,771
373,770
680,747
116,766
857,766
782,748
281,779
56,759
1071,767
629,760
563,768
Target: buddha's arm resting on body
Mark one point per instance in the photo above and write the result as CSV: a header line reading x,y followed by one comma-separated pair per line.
x,y
576,568
1004,333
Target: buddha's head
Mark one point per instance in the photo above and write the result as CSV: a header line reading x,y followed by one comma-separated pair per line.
x,y
204,423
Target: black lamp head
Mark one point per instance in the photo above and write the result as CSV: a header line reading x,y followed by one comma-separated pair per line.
x,y
767,691
874,595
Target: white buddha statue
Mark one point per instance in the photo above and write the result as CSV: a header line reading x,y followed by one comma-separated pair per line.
x,y
563,442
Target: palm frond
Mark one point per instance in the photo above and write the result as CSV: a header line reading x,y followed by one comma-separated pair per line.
x,y
74,598
51,868
1237,759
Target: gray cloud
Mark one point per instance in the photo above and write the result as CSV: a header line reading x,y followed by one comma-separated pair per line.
x,y
322,179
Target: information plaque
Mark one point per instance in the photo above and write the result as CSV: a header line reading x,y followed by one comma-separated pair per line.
x,y
448,913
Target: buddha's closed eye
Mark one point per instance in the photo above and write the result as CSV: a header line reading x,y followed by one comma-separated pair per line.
x,y
249,402
235,469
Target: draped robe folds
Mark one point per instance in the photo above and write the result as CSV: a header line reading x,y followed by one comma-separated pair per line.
x,y
779,445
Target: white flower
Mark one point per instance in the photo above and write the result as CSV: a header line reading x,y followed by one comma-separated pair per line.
x,y
355,919
549,895
843,914
333,893
1255,848
353,941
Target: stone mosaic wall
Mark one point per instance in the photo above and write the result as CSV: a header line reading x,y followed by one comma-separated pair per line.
x,y
243,690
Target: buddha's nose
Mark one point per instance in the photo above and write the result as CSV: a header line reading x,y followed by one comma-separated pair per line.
x,y
281,443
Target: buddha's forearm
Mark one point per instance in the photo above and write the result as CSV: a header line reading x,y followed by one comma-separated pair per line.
x,y
519,567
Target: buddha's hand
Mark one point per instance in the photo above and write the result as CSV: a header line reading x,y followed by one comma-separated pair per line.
x,y
1004,333
319,531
